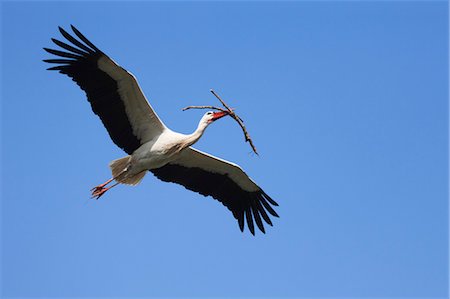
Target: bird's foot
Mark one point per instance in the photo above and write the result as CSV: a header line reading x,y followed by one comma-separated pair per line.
x,y
101,186
98,191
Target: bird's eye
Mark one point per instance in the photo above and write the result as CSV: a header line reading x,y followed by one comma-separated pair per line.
x,y
209,113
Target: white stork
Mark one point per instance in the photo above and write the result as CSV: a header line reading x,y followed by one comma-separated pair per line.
x,y
116,97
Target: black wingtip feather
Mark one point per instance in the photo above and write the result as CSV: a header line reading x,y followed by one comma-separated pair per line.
x,y
273,202
258,221
248,214
74,41
68,61
57,68
69,47
62,54
84,39
263,213
268,207
250,207
256,215
241,221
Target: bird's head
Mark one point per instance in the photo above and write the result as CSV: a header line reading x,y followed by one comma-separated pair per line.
x,y
212,116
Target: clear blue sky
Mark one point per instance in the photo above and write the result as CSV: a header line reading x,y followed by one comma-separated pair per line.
x,y
347,103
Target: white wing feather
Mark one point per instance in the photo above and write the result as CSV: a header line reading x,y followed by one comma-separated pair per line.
x,y
145,122
192,157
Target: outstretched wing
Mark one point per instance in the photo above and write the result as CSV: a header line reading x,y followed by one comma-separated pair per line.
x,y
113,92
224,181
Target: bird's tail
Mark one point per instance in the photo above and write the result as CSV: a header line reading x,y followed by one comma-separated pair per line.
x,y
119,169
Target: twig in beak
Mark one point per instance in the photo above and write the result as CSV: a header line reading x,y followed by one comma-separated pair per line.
x,y
204,107
230,113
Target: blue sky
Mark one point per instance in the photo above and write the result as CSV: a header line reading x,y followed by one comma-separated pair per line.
x,y
346,101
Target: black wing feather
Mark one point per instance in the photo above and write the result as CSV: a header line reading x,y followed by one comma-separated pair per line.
x,y
63,61
84,39
69,47
100,88
248,214
63,54
74,41
256,216
263,213
240,202
268,207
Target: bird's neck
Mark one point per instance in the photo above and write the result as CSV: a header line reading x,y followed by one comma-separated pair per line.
x,y
194,137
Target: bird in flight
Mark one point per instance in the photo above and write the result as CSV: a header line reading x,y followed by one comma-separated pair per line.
x,y
132,124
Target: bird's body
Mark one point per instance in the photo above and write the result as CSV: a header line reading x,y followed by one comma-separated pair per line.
x,y
115,96
162,149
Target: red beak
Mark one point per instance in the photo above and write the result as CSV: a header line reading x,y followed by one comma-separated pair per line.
x,y
217,115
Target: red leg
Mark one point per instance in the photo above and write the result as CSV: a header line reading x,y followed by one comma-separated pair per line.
x,y
99,187
99,191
